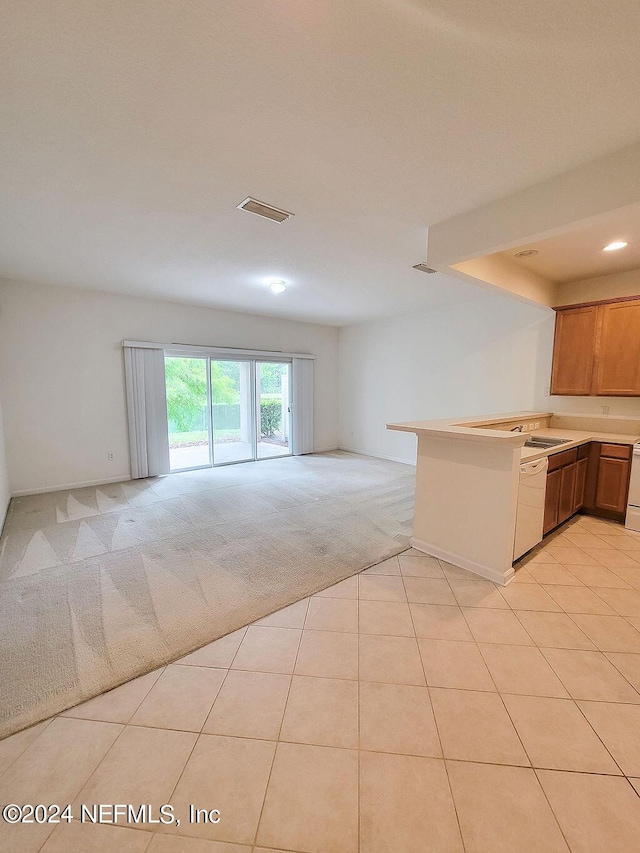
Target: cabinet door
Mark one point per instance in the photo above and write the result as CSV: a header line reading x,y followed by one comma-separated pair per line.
x,y
618,350
567,491
613,481
552,500
573,351
581,479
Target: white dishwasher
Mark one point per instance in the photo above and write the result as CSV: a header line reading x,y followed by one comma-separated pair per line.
x,y
530,513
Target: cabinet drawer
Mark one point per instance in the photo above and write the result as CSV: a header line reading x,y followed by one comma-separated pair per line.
x,y
565,457
616,451
583,450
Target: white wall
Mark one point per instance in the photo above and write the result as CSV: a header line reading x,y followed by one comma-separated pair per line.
x,y
61,371
542,210
4,475
601,287
481,356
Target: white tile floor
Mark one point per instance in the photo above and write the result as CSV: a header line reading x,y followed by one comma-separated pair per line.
x,y
412,709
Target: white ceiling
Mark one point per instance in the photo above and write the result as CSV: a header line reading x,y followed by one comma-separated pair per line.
x,y
579,254
131,130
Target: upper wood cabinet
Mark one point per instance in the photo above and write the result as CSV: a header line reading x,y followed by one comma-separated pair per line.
x,y
596,350
573,349
617,360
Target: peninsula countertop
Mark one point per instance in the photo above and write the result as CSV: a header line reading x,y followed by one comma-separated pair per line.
x,y
473,429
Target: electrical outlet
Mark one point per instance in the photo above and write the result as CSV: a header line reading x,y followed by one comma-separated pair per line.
x,y
531,426
547,390
111,456
605,410
536,425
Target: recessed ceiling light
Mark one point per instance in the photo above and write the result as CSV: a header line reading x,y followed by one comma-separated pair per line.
x,y
277,286
617,244
526,253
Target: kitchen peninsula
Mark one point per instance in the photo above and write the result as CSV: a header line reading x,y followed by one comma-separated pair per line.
x,y
467,479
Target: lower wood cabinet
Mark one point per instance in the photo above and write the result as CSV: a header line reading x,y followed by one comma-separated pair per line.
x,y
567,499
593,477
612,483
552,501
581,481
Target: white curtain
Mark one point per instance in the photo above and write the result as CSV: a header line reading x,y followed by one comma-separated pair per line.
x,y
147,411
302,406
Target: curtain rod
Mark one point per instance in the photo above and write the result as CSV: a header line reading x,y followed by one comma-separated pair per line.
x,y
210,350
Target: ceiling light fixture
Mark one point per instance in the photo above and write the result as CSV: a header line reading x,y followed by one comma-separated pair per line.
x,y
526,253
277,286
617,244
423,268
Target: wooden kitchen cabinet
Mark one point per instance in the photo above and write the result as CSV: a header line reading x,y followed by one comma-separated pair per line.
x,y
617,368
593,477
607,484
611,490
612,485
581,481
573,347
596,350
552,501
561,487
567,496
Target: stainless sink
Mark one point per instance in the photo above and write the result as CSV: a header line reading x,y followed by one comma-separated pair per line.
x,y
542,442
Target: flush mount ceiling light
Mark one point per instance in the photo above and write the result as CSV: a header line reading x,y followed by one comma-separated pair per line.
x,y
526,253
268,211
617,244
423,268
277,286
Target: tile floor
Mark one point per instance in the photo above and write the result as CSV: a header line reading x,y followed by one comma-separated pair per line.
x,y
412,709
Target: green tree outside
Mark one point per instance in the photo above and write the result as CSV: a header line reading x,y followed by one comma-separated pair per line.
x,y
186,381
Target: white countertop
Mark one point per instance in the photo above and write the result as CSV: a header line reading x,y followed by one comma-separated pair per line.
x,y
471,429
575,438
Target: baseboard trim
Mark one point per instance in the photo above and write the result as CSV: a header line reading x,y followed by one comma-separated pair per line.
x,y
3,515
45,489
123,478
462,562
377,455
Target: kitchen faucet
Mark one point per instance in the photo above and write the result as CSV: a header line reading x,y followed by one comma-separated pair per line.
x,y
518,428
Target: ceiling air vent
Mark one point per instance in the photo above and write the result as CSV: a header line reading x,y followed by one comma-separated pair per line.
x,y
423,268
266,210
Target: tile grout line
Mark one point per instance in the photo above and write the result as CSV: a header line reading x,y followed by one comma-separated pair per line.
x,y
435,722
196,741
22,751
82,786
278,741
516,730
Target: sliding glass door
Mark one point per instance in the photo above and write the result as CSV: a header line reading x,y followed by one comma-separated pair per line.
x,y
188,409
273,404
231,411
222,411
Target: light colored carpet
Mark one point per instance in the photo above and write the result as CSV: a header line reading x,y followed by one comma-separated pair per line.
x,y
100,585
